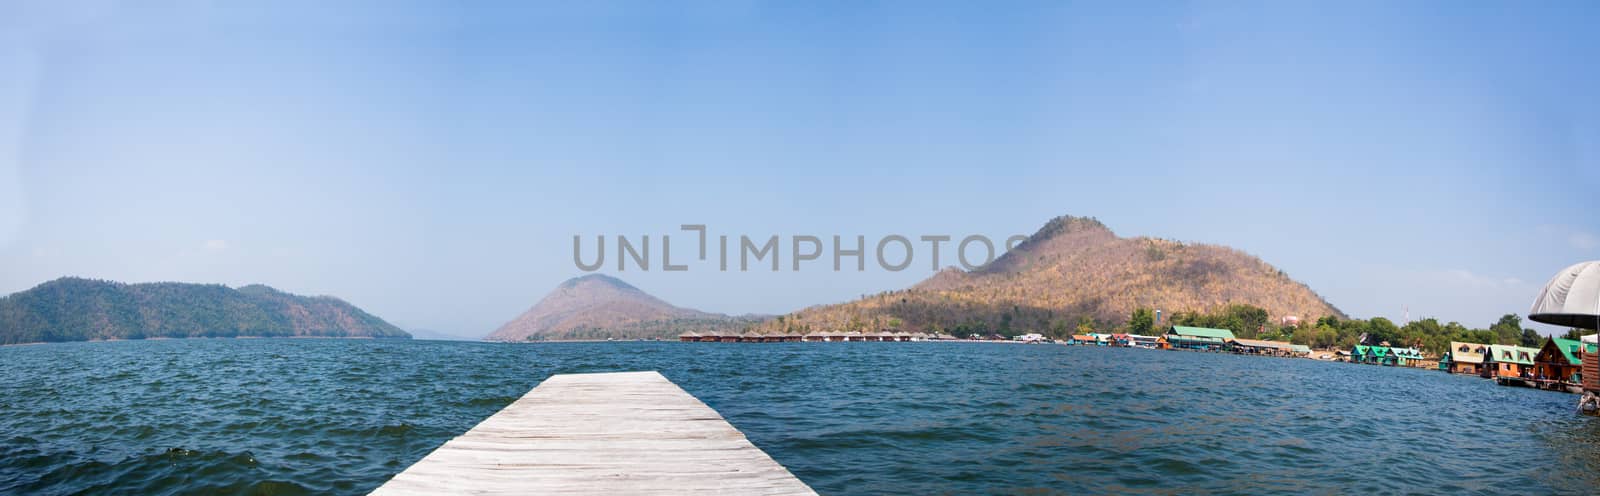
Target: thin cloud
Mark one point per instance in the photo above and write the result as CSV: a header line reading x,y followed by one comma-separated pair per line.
x,y
1584,241
1579,239
215,245
1476,280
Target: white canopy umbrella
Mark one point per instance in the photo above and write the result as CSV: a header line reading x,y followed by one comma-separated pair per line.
x,y
1571,298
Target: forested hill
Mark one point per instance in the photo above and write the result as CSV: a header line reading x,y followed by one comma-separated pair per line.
x,y
1073,275
75,309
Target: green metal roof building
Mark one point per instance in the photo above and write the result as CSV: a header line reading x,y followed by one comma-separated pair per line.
x,y
1199,338
1500,353
1378,355
1404,356
1568,348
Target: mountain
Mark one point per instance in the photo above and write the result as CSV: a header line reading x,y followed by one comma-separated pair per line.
x,y
600,307
75,309
1073,270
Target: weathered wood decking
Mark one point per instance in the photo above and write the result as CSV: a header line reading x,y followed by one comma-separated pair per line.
x,y
616,433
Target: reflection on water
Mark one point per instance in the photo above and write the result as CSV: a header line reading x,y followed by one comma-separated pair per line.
x,y
330,416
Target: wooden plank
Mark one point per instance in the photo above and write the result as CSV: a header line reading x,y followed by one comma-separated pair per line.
x,y
614,433
1591,372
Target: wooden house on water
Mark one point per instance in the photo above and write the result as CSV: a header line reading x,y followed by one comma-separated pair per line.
x,y
1406,357
1372,355
1559,364
1572,299
1509,365
1199,338
1263,347
699,337
1591,368
1150,342
1463,358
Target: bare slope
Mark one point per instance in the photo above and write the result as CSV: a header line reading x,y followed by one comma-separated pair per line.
x,y
599,307
1072,269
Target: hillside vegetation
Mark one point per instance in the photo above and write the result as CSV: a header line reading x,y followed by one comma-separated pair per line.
x,y
74,309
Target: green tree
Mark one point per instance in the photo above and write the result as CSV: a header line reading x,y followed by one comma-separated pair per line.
x,y
1328,321
1531,338
1326,337
1085,325
1142,321
1058,328
1481,336
1251,319
1508,330
1380,329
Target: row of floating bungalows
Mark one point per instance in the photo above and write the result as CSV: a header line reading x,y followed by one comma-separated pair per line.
x,y
1394,356
1209,339
815,337
1559,365
1178,337
1196,338
1118,339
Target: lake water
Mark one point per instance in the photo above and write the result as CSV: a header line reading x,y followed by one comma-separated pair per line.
x,y
289,416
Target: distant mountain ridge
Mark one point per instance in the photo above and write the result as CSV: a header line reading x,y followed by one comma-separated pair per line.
x,y
598,306
77,309
1073,270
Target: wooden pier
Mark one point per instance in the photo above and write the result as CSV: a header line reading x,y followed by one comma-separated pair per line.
x,y
614,433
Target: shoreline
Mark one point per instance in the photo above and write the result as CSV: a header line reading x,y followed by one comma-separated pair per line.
x,y
168,338
555,341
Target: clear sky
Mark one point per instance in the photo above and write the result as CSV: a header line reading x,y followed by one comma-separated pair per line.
x,y
430,162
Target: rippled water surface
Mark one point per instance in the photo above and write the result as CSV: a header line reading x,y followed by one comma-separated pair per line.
x,y
289,416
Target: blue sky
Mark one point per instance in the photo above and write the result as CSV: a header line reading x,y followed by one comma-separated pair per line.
x,y
431,161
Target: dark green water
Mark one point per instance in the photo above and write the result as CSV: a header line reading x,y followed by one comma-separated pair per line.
x,y
298,416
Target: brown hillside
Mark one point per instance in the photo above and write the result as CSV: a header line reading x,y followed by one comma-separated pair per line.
x,y
1073,269
600,307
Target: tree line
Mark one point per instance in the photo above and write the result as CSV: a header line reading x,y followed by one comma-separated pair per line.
x,y
1251,322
